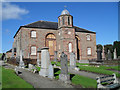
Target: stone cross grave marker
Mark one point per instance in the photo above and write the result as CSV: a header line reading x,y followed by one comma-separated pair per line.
x,y
72,60
64,76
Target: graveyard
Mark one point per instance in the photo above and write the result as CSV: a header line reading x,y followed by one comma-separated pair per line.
x,y
73,73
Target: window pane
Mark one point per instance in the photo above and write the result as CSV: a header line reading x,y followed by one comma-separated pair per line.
x,y
88,37
33,50
33,34
70,47
89,51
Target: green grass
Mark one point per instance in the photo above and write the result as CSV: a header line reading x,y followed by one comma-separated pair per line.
x,y
85,82
11,80
0,77
38,68
0,55
100,70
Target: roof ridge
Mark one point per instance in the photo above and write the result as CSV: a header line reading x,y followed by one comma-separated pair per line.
x,y
40,21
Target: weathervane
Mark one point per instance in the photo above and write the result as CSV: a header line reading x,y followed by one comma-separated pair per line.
x,y
65,7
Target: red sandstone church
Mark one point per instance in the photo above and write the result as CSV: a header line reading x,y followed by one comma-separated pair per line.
x,y
61,36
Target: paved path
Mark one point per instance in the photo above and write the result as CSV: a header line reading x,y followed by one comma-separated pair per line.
x,y
41,82
83,73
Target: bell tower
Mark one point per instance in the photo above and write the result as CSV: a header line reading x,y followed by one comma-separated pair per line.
x,y
65,19
66,33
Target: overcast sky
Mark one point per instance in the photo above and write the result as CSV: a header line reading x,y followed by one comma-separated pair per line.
x,y
101,17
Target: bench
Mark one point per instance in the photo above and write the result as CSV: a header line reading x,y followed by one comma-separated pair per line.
x,y
108,81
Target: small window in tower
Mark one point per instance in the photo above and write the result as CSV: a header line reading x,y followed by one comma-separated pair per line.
x,y
68,20
63,20
59,21
70,47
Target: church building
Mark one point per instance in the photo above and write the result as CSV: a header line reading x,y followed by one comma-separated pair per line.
x,y
61,36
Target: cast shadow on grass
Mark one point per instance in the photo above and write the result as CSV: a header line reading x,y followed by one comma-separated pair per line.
x,y
71,76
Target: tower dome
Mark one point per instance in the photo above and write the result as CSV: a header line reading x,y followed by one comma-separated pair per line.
x,y
65,12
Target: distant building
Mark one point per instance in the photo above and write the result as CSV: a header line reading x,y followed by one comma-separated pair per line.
x,y
61,37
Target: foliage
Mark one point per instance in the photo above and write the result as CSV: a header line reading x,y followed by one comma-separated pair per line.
x,y
99,46
116,45
11,80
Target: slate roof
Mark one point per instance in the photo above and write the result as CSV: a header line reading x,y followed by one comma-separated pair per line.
x,y
51,25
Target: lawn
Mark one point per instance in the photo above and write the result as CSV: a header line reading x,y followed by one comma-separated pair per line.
x,y
100,70
0,55
85,82
11,80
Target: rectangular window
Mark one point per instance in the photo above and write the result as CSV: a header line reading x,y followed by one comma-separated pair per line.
x,y
88,51
33,50
63,20
33,33
68,20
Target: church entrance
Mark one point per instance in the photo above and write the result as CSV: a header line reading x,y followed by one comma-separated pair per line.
x,y
51,43
77,47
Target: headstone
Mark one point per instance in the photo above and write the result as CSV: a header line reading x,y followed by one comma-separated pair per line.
x,y
55,56
30,66
103,53
45,62
21,63
99,55
50,72
109,55
38,58
12,52
115,55
64,76
72,60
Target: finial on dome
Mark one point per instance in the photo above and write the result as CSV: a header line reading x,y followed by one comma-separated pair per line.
x,y
65,11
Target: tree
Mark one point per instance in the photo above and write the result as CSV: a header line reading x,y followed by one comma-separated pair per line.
x,y
99,46
116,44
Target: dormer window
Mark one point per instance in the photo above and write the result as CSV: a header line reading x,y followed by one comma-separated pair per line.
x,y
88,37
33,34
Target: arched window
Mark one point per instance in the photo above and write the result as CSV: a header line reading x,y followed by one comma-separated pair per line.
x,y
33,34
88,37
33,50
70,47
51,43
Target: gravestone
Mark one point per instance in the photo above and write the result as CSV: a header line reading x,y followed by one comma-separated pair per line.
x,y
115,55
45,62
50,72
12,52
55,56
38,58
21,63
72,60
30,66
109,55
99,55
64,76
